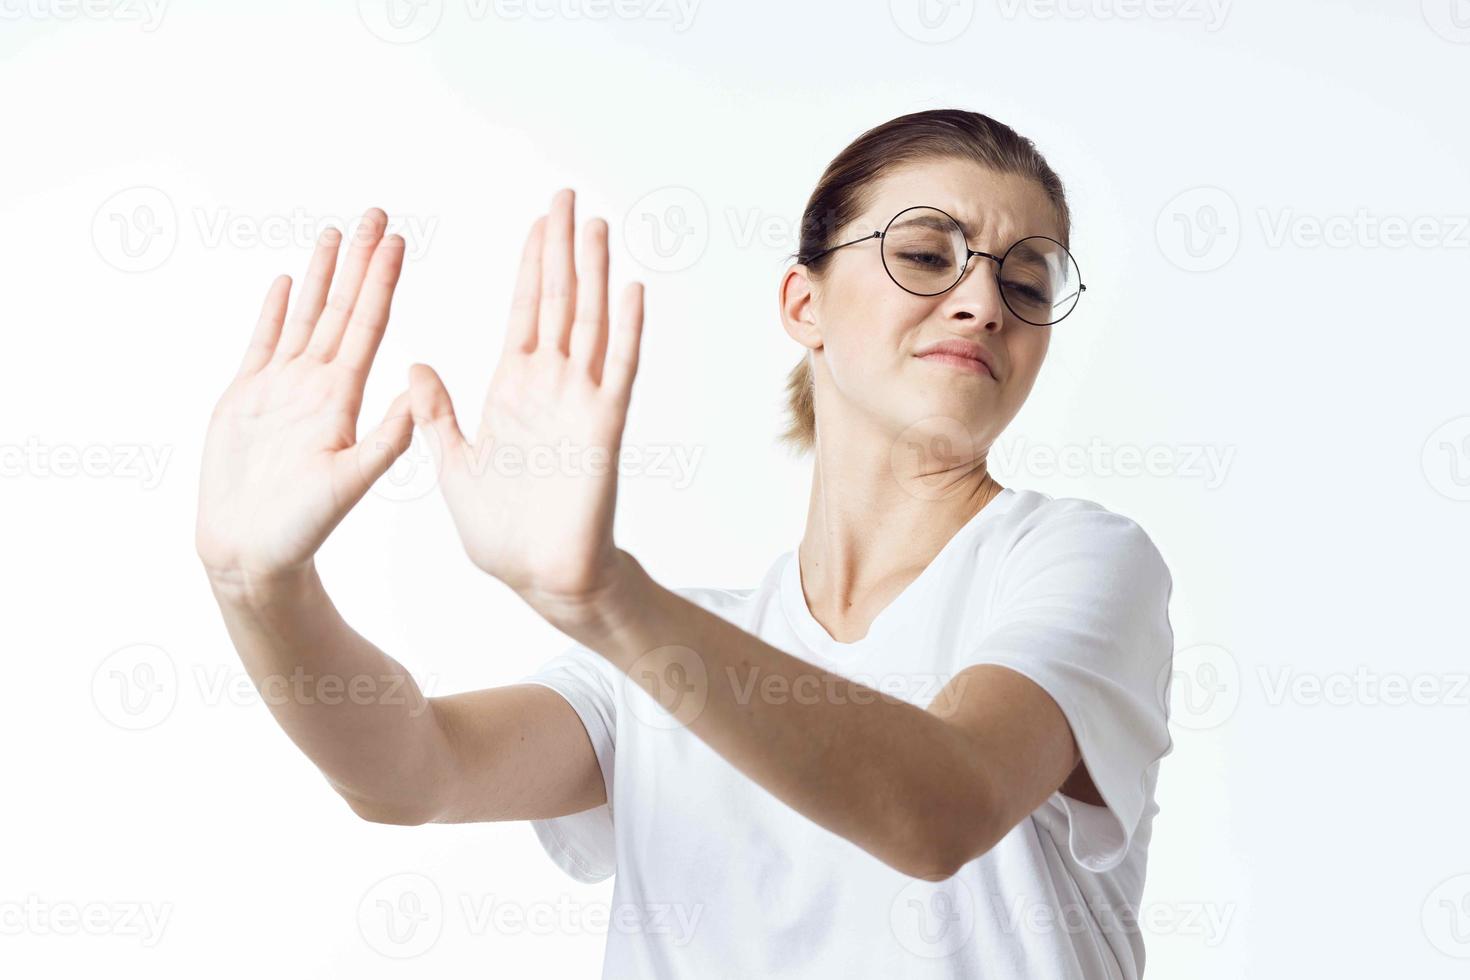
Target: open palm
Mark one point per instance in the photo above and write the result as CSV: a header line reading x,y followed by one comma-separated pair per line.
x,y
282,464
533,493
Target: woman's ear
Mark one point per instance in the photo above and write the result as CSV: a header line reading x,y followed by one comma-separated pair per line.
x,y
798,311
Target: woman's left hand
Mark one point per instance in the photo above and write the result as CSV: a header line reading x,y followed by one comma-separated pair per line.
x,y
533,494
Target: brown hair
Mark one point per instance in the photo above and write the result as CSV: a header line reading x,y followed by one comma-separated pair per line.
x,y
842,194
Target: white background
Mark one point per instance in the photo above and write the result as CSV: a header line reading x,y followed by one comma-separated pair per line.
x,y
1238,175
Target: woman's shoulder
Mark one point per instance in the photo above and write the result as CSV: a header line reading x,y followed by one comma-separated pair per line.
x,y
1033,507
1036,519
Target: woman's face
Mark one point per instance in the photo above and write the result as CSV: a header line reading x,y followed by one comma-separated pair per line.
x,y
870,337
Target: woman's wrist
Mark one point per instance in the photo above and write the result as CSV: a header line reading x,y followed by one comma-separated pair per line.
x,y
258,589
596,619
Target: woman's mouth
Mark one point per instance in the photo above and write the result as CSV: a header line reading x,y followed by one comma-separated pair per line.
x,y
958,361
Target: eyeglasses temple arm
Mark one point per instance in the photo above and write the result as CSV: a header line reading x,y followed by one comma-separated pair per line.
x,y
817,255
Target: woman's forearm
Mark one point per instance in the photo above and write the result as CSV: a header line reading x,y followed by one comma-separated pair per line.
x,y
355,711
891,777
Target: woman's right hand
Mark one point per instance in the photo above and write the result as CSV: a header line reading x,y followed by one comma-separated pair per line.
x,y
282,464
533,491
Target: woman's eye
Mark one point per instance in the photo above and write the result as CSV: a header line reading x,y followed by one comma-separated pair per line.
x,y
931,259
1025,291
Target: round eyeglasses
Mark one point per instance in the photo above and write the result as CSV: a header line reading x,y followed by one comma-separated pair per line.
x,y
925,252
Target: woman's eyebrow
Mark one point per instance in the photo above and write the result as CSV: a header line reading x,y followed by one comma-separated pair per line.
x,y
971,229
965,226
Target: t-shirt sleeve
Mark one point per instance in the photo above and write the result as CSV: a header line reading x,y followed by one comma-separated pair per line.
x,y
581,844
1081,608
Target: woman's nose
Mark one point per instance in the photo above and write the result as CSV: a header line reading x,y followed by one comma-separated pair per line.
x,y
977,294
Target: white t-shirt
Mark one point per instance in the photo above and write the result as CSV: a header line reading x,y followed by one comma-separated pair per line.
x,y
718,878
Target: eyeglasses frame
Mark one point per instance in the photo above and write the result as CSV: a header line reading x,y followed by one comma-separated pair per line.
x,y
969,253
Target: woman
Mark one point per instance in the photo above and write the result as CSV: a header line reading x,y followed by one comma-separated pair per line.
x,y
925,744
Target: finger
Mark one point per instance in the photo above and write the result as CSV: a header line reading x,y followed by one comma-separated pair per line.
x,y
433,412
558,277
589,329
622,355
268,328
370,314
333,321
520,334
362,464
313,294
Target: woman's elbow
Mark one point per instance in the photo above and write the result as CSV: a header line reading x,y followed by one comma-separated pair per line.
x,y
936,850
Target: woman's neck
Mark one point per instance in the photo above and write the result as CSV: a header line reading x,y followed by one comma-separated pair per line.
x,y
876,518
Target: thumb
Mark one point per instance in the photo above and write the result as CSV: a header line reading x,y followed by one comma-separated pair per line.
x,y
374,453
433,411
